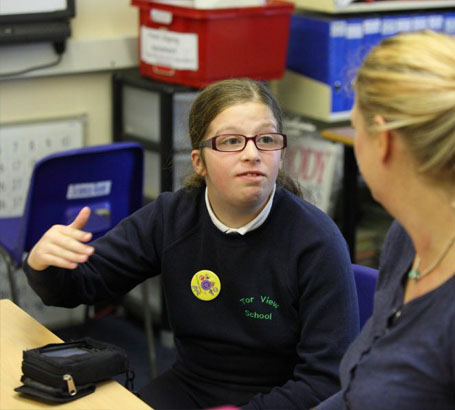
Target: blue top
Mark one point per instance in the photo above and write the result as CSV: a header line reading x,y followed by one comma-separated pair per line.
x,y
286,312
404,358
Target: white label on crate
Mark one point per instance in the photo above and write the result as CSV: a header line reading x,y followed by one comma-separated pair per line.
x,y
169,49
449,25
390,27
372,26
88,190
338,29
435,22
354,31
404,24
419,23
161,16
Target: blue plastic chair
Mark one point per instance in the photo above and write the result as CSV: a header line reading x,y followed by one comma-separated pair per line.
x,y
107,178
365,280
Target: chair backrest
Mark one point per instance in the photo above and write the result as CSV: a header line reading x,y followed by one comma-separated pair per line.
x,y
107,178
365,280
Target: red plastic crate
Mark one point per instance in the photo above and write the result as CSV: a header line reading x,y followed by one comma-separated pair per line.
x,y
196,47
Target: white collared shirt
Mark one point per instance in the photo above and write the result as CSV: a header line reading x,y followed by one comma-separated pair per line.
x,y
255,223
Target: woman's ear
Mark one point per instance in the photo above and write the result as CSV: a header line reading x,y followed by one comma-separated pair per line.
x,y
198,162
384,139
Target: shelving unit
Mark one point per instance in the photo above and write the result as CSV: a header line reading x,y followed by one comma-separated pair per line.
x,y
327,43
317,101
333,7
154,114
311,94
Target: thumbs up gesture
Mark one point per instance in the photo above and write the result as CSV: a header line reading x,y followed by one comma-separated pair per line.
x,y
63,245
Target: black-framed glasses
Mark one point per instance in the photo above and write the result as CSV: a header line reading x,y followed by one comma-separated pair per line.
x,y
270,141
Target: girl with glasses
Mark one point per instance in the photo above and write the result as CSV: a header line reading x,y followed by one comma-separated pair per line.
x,y
258,282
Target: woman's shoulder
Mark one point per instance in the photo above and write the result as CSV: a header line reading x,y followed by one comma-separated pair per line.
x,y
396,233
396,257
397,244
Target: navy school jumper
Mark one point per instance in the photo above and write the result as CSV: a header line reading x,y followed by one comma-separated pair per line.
x,y
286,312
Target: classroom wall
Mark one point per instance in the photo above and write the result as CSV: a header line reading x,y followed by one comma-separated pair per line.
x,y
104,38
104,35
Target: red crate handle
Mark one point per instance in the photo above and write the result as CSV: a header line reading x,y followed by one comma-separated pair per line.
x,y
168,71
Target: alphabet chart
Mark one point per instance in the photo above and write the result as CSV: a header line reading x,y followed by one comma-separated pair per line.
x,y
22,145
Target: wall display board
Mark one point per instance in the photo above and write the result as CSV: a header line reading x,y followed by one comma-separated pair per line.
x,y
22,145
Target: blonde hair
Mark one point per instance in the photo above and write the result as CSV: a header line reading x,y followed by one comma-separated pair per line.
x,y
409,80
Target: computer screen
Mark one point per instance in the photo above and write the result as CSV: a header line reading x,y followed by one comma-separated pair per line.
x,y
35,20
35,10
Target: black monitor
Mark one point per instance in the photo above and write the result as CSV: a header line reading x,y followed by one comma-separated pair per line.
x,y
35,21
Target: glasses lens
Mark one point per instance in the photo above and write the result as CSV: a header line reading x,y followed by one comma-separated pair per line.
x,y
269,142
230,142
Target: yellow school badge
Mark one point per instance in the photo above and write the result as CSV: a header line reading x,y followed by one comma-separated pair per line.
x,y
205,285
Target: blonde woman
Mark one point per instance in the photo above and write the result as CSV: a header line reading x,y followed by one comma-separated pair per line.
x,y
404,118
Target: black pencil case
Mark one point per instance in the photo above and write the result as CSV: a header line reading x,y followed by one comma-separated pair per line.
x,y
61,372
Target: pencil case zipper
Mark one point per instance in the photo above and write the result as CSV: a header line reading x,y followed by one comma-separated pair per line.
x,y
46,375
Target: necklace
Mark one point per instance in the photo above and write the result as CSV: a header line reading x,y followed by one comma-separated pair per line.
x,y
415,273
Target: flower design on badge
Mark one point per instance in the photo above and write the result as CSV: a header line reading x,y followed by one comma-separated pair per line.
x,y
205,285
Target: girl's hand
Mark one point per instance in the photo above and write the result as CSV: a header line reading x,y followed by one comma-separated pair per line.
x,y
62,246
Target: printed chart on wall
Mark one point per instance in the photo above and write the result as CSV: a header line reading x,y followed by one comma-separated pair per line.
x,y
314,162
22,145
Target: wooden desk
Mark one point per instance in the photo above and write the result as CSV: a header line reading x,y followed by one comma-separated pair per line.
x,y
18,332
345,135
